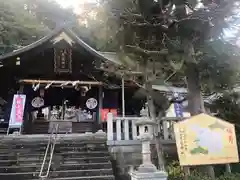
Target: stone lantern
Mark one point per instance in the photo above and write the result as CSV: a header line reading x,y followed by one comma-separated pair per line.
x,y
147,170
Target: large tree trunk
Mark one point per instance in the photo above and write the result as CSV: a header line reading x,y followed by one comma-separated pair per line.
x,y
195,100
152,113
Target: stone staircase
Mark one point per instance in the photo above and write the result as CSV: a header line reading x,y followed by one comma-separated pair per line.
x,y
76,157
41,127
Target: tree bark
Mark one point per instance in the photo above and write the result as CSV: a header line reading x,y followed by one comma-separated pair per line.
x,y
152,113
195,100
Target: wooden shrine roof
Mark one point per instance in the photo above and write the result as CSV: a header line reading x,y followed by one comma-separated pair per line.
x,y
106,56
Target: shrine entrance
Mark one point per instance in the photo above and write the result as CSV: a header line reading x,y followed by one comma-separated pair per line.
x,y
73,105
64,83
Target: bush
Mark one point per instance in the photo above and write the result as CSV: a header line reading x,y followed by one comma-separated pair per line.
x,y
175,172
232,176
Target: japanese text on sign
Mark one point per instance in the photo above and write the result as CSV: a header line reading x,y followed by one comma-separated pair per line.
x,y
16,117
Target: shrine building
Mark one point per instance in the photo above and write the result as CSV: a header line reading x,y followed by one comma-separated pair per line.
x,y
62,79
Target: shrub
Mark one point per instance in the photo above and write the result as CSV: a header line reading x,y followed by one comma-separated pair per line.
x,y
175,172
232,176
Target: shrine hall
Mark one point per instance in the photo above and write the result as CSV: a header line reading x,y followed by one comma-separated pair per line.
x,y
63,81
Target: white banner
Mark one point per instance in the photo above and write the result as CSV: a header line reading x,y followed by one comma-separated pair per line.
x,y
17,112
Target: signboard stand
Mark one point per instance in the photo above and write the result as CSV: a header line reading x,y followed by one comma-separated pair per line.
x,y
228,168
17,112
178,108
186,171
9,128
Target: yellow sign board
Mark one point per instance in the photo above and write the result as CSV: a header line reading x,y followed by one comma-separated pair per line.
x,y
204,139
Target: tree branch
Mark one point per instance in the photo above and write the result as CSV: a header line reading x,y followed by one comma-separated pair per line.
x,y
148,52
127,14
169,77
146,24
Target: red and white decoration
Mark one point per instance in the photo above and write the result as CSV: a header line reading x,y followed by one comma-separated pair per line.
x,y
91,103
16,117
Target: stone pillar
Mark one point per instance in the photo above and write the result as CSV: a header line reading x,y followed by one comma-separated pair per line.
x,y
110,127
147,170
146,165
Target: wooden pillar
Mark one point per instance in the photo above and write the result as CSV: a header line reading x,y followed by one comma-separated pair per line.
x,y
100,105
21,89
123,97
26,124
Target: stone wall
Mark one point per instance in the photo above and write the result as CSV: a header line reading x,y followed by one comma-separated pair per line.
x,y
126,155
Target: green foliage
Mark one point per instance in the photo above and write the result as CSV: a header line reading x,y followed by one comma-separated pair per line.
x,y
23,22
218,64
175,172
151,33
17,26
199,177
50,13
227,107
232,176
26,21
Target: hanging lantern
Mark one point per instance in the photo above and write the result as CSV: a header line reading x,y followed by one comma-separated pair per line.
x,y
18,61
42,91
35,88
84,90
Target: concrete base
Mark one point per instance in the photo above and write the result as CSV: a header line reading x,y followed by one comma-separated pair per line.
x,y
147,168
158,175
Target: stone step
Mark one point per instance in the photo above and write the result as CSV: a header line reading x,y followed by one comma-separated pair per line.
x,y
76,156
63,151
45,140
87,160
80,173
54,167
40,126
77,127
56,157
109,177
76,160
58,148
65,154
56,174
13,145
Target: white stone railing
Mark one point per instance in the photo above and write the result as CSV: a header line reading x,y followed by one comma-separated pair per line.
x,y
167,127
122,128
167,130
125,128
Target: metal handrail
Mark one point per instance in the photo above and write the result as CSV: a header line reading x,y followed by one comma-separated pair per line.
x,y
52,143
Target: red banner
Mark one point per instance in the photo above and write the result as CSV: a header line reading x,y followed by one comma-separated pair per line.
x,y
19,109
16,117
104,113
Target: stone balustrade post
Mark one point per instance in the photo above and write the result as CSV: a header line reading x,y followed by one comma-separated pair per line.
x,y
110,127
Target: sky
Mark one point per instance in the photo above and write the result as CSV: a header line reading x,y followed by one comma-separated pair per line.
x,y
73,3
